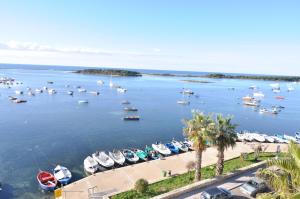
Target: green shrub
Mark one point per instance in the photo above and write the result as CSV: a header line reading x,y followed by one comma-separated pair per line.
x,y
141,186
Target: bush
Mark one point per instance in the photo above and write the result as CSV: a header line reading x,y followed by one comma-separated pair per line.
x,y
141,186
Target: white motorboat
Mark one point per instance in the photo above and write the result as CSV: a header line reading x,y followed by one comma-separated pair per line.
x,y
188,144
258,94
253,87
161,148
30,93
103,159
187,92
121,90
62,174
280,138
90,165
268,138
275,111
51,91
130,156
180,145
117,156
100,82
240,137
276,90
289,138
45,88
275,86
258,137
19,92
94,92
83,102
248,137
81,90
183,102
251,103
263,110
70,92
38,90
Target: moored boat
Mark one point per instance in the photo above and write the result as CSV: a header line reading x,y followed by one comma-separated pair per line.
x,y
117,156
94,92
133,117
130,156
19,92
83,102
121,90
103,159
172,148
62,174
51,91
70,92
130,109
46,180
188,144
180,145
125,102
183,102
152,154
141,154
162,149
81,90
90,165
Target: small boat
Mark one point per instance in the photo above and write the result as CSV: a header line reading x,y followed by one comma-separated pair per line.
x,y
30,93
81,90
38,91
125,102
276,90
62,174
258,137
70,92
162,149
251,103
12,98
46,181
152,154
130,109
289,138
117,156
187,92
275,111
263,110
280,138
90,165
247,98
258,94
51,91
183,102
269,139
94,92
83,102
188,144
50,82
19,92
180,145
141,154
130,156
121,90
19,101
103,159
100,82
279,97
253,87
45,88
126,118
297,135
172,148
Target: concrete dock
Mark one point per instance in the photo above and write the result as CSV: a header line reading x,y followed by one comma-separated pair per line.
x,y
123,179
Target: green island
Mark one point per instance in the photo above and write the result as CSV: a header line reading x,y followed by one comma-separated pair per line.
x,y
113,72
196,81
255,77
182,180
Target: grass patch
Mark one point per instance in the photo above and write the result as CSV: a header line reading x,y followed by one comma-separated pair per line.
x,y
182,180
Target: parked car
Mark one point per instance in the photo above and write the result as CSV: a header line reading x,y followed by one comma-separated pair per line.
x,y
216,193
254,186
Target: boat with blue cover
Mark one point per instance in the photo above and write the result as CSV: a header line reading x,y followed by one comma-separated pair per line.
x,y
172,148
62,174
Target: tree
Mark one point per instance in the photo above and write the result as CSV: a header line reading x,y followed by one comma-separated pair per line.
x,y
284,174
223,137
197,130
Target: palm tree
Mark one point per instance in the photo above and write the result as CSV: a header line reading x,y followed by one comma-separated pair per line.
x,y
223,137
285,178
197,130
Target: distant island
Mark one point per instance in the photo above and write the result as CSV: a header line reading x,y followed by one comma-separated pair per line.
x,y
196,81
255,77
113,72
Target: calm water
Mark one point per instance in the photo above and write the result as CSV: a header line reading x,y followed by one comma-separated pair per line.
x,y
55,129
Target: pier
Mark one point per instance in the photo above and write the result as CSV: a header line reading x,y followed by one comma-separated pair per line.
x,y
122,179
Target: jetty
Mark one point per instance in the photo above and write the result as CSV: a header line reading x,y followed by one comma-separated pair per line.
x,y
118,180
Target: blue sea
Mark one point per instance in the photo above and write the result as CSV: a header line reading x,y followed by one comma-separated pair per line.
x,y
55,129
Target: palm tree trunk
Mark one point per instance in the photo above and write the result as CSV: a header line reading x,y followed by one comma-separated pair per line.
x,y
220,162
198,165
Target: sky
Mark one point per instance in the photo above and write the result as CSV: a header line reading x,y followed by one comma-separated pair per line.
x,y
259,37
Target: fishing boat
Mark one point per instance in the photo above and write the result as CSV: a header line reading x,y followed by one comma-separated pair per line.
x,y
180,145
90,165
125,102
172,148
19,92
81,90
94,92
152,154
62,174
130,109
162,149
70,92
83,102
121,90
103,159
46,181
128,118
141,154
130,156
45,88
117,156
50,82
183,102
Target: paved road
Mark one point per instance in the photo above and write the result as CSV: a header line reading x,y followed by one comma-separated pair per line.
x,y
232,184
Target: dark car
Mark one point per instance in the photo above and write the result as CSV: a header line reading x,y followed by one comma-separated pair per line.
x,y
216,193
254,186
